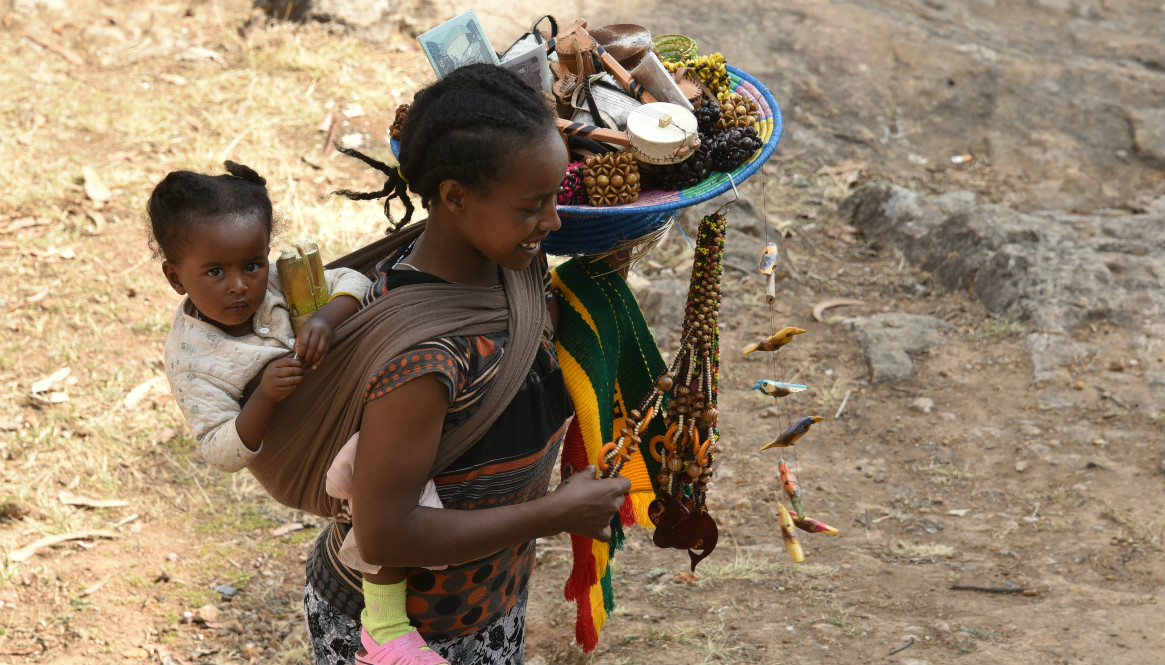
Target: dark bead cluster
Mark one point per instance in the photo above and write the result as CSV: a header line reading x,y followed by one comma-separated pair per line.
x,y
707,115
732,147
688,173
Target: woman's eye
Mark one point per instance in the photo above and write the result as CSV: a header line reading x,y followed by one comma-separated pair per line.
x,y
214,272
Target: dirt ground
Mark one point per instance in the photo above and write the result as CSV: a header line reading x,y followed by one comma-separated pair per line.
x,y
967,475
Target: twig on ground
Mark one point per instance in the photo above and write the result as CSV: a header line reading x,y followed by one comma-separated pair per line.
x,y
95,586
1027,591
65,53
28,550
844,401
904,647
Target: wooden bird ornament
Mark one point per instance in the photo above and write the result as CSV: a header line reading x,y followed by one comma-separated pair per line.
x,y
778,388
794,432
775,341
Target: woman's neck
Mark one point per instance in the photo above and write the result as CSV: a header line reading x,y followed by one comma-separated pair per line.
x,y
440,251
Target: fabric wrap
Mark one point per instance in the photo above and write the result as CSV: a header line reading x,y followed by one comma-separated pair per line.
x,y
609,362
308,428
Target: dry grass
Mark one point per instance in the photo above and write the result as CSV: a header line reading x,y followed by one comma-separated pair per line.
x,y
92,299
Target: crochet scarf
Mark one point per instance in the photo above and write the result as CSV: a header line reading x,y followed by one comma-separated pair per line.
x,y
313,423
609,362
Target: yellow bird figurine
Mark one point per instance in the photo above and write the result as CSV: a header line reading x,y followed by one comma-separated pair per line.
x,y
776,341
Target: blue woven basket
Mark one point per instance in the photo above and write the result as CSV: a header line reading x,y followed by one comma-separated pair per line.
x,y
592,230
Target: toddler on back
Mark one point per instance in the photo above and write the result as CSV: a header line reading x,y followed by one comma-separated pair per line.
x,y
214,233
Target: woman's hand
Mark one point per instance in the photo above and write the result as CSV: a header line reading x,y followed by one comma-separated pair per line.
x,y
589,503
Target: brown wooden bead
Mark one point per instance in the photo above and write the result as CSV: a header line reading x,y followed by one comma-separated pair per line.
x,y
664,383
675,464
694,470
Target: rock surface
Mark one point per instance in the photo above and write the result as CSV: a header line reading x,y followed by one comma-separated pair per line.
x,y
1053,270
890,342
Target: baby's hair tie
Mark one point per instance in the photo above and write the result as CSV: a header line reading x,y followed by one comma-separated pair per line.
x,y
402,175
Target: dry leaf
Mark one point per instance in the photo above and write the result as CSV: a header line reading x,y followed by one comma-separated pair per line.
x,y
49,382
23,223
143,389
98,223
95,187
199,53
72,499
819,308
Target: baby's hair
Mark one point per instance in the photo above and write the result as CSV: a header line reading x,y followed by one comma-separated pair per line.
x,y
464,127
185,199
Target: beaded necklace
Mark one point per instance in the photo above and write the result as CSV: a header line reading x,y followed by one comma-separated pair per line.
x,y
689,388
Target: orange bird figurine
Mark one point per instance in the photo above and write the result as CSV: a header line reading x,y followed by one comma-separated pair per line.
x,y
776,341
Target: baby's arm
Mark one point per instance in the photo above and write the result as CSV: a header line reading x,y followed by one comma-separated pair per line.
x,y
399,434
280,379
211,413
348,288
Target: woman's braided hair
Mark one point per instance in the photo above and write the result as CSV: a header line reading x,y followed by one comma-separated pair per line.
x,y
464,127
184,199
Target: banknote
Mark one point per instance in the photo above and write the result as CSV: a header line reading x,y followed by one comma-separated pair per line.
x,y
531,66
457,42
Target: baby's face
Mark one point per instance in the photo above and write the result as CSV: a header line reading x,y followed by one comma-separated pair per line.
x,y
224,273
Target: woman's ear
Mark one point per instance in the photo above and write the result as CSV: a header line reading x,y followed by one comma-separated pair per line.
x,y
451,195
171,272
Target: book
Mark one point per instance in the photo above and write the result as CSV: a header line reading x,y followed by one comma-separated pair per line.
x,y
457,42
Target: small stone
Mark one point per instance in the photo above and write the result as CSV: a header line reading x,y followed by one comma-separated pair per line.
x,y
1079,385
942,630
1037,450
135,653
207,614
1020,466
17,510
922,405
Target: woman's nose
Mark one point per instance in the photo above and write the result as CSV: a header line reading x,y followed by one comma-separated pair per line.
x,y
551,222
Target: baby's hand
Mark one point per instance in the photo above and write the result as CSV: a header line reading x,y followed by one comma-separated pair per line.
x,y
315,338
281,378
